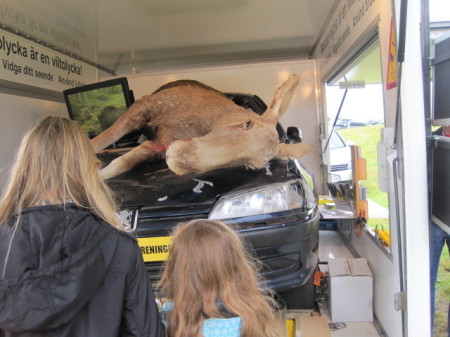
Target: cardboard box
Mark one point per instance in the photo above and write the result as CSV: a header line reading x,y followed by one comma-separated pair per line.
x,y
351,290
314,326
307,323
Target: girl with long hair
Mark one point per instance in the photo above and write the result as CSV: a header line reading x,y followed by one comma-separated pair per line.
x,y
66,266
55,163
211,284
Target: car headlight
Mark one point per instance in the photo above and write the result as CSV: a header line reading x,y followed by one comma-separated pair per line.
x,y
273,198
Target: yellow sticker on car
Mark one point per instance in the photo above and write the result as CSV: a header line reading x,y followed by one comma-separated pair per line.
x,y
155,248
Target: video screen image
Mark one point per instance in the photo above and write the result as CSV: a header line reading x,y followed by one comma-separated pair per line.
x,y
96,109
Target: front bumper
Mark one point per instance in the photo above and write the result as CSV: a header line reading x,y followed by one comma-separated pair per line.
x,y
286,244
288,251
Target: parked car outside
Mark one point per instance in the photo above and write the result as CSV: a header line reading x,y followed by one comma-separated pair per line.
x,y
357,124
274,209
348,123
343,123
340,158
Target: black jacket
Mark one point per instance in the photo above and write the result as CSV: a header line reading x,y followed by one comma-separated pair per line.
x,y
71,274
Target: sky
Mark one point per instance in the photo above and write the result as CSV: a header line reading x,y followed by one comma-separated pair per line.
x,y
439,10
361,105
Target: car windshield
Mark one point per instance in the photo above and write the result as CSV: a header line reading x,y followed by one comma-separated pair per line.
x,y
336,141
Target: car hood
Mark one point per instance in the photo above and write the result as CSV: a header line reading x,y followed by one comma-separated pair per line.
x,y
152,184
340,156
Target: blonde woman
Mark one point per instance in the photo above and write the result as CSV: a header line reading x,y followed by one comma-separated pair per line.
x,y
66,267
212,286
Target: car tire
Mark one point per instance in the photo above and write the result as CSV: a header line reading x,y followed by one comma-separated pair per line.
x,y
303,297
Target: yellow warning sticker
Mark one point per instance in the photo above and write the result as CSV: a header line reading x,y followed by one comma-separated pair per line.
x,y
392,62
155,248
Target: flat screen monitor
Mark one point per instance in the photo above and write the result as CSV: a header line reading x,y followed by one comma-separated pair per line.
x,y
440,194
97,106
441,76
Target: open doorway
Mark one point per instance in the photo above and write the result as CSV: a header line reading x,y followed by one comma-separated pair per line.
x,y
355,114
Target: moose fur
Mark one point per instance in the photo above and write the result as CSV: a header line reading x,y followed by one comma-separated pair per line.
x,y
197,129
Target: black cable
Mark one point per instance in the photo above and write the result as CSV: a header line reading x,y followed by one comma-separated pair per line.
x,y
335,119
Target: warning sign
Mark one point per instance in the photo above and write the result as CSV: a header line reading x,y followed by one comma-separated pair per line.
x,y
392,62
155,249
28,62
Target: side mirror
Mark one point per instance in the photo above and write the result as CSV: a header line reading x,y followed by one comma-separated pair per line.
x,y
294,135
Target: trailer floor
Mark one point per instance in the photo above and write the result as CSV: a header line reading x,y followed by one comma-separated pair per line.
x,y
331,246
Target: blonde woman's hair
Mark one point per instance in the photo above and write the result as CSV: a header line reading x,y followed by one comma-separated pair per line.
x,y
56,164
208,264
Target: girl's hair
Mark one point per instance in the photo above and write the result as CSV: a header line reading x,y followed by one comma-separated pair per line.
x,y
56,164
209,265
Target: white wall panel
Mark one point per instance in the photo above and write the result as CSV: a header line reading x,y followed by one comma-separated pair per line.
x,y
17,114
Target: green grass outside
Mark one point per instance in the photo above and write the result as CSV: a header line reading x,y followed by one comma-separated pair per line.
x,y
367,138
442,295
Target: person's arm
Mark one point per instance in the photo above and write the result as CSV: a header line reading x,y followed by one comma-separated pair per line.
x,y
141,316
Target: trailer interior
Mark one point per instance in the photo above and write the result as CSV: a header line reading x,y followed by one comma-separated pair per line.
x,y
359,61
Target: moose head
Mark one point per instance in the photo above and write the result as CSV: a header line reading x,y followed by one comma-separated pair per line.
x,y
197,129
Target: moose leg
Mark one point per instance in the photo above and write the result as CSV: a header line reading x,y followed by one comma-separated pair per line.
x,y
147,150
293,151
133,119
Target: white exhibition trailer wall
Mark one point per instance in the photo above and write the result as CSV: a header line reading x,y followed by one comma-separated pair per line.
x,y
17,114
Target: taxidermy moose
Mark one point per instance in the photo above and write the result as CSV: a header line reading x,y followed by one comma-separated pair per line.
x,y
197,129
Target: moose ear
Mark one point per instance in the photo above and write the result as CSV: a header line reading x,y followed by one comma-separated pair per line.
x,y
293,151
281,99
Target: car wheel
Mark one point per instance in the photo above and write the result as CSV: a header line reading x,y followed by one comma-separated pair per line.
x,y
303,297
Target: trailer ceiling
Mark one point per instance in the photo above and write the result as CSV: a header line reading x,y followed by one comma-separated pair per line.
x,y
154,34
144,35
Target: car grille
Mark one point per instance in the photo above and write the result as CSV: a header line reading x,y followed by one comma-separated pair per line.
x,y
150,212
270,267
279,258
339,167
154,271
160,222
